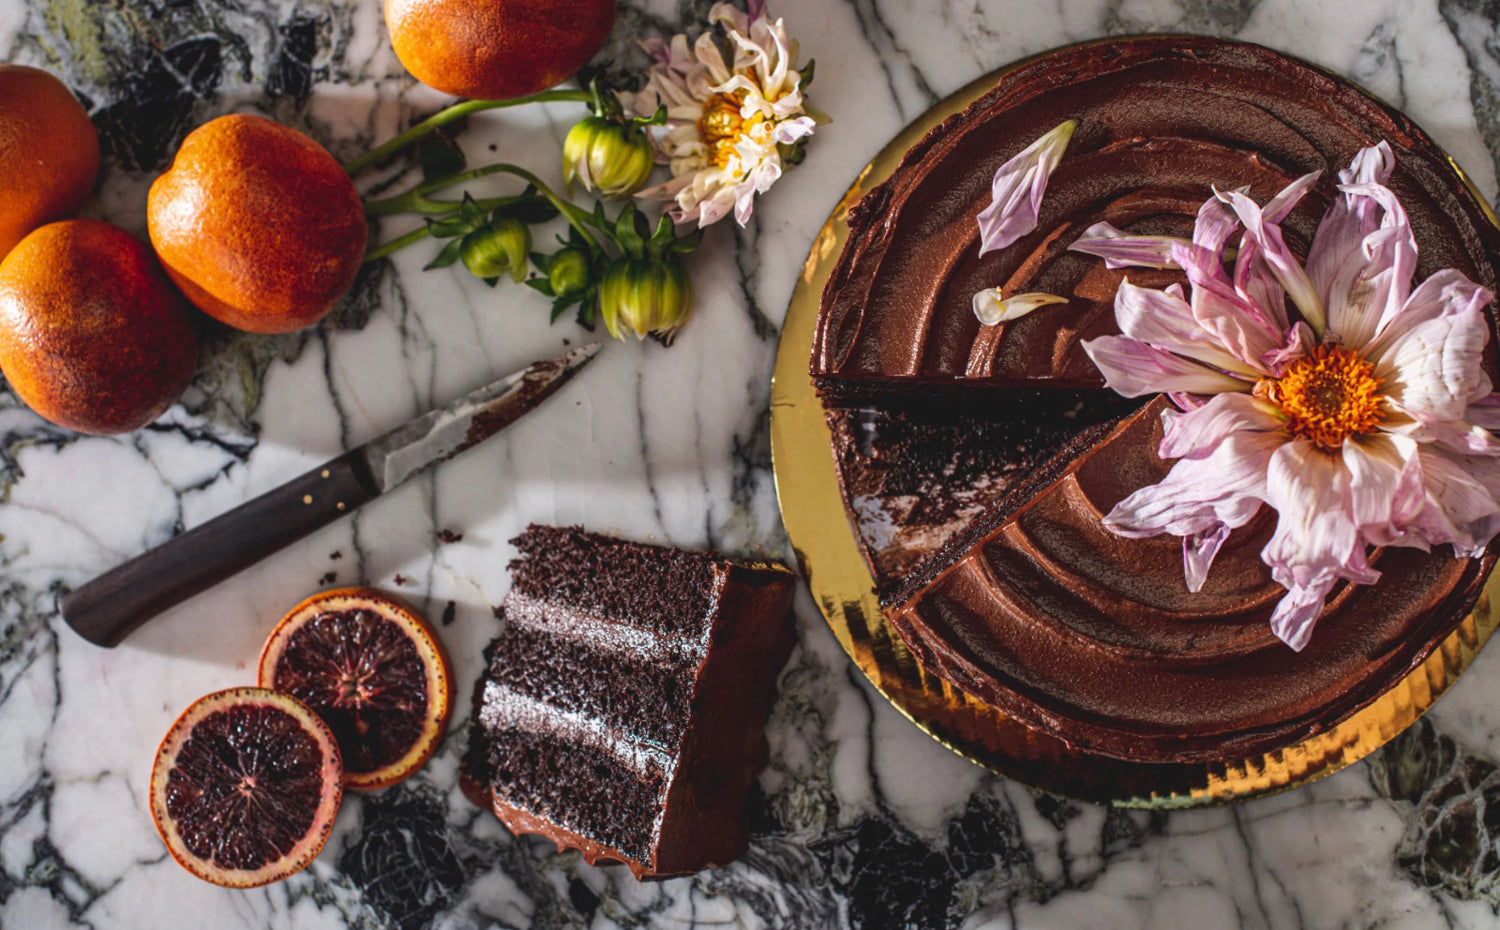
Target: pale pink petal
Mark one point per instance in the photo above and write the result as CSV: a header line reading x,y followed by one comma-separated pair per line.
x,y
1278,258
1239,325
1433,370
1460,505
1214,224
1460,436
1316,540
1135,369
1444,293
1017,189
1198,553
1120,249
1224,488
1297,612
1385,485
1163,319
1196,433
1299,341
990,308
1277,208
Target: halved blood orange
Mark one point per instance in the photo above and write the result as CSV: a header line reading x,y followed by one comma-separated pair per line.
x,y
246,786
373,669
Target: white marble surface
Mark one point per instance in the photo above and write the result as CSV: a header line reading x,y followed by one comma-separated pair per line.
x,y
868,823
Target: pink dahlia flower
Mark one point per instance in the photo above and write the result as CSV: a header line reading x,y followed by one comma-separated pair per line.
x,y
1362,422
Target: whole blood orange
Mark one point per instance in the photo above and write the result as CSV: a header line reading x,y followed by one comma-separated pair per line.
x,y
92,337
497,49
245,787
373,669
259,225
49,152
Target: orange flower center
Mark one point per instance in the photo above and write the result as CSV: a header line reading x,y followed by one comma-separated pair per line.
x,y
721,124
1327,396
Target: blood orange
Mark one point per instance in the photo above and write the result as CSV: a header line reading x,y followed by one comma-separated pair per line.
x,y
373,670
245,787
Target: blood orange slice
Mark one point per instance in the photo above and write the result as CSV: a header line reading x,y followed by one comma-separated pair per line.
x,y
246,786
373,669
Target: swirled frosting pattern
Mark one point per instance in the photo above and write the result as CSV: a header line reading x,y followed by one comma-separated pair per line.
x,y
1034,606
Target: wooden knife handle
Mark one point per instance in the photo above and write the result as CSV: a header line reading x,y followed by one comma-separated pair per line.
x,y
106,609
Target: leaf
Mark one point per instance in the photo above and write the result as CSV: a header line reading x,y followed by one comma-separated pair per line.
x,y
439,157
471,212
541,285
807,73
542,261
685,244
448,227
447,256
530,211
627,232
490,281
561,304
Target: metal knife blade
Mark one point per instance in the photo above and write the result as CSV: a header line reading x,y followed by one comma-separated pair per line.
x,y
439,435
108,608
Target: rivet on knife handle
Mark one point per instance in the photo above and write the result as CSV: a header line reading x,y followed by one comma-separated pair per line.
x,y
106,609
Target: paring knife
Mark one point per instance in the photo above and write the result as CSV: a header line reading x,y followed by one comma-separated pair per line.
x,y
106,609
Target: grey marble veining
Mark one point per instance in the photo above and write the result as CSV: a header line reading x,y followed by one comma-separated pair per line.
x,y
862,821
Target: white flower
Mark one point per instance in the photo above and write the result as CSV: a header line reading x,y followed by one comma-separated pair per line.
x,y
725,119
1362,424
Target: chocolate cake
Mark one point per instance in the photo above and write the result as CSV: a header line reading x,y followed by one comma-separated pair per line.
x,y
1001,577
621,712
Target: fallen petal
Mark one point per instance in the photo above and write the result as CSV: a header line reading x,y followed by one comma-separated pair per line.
x,y
1017,189
992,309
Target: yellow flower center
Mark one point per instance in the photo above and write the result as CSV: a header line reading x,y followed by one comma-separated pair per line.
x,y
1327,396
721,125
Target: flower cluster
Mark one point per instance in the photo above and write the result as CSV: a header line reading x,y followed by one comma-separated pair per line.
x,y
1362,421
728,115
734,116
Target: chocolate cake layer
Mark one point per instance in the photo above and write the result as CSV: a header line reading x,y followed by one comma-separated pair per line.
x,y
1033,605
621,713
914,477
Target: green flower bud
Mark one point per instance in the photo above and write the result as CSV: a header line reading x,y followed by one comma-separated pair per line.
x,y
646,296
613,159
568,272
501,246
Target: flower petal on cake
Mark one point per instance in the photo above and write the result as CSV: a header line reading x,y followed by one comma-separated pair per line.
x,y
1119,249
1226,487
1135,369
1433,370
1278,258
1017,188
1198,432
1164,319
991,308
1385,486
1316,541
1245,329
1198,554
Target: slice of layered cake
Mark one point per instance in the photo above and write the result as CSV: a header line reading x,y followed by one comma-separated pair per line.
x,y
622,712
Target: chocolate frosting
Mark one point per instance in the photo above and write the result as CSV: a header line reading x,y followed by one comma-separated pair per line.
x,y
1161,121
1034,606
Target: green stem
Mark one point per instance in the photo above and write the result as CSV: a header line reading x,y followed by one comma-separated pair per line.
x,y
395,245
457,111
417,201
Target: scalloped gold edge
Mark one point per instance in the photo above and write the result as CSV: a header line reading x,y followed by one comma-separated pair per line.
x,y
813,513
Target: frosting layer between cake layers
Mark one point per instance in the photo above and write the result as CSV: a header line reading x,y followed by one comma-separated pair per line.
x,y
1015,591
621,712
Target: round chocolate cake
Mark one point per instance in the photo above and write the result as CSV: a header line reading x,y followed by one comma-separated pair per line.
x,y
977,461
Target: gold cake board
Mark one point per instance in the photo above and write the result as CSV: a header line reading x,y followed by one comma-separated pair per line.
x,y
813,511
